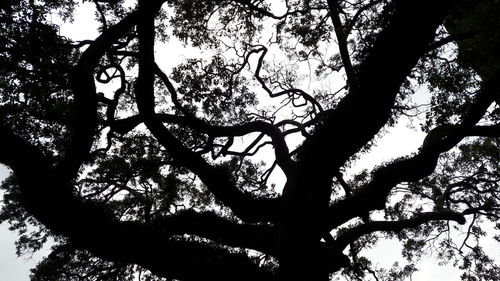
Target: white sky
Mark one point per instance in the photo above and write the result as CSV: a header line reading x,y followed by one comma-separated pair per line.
x,y
13,268
400,141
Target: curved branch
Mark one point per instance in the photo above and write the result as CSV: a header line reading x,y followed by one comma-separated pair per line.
x,y
343,133
173,93
261,81
373,195
350,235
347,188
83,86
90,226
278,141
352,22
217,181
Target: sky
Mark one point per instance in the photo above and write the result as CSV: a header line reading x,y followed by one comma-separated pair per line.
x,y
401,141
12,267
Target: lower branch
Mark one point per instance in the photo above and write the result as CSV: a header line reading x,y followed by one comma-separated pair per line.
x,y
91,226
208,225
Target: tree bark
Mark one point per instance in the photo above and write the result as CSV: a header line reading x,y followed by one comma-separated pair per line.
x,y
305,200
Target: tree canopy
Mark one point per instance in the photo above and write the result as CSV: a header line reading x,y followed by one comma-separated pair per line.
x,y
234,163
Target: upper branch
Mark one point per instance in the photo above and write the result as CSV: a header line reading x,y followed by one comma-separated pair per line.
x,y
279,144
262,82
173,93
83,86
379,76
342,34
352,22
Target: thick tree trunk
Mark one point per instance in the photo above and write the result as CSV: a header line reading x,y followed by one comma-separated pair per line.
x,y
305,201
342,134
301,257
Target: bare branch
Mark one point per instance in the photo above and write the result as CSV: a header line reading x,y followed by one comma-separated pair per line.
x,y
262,82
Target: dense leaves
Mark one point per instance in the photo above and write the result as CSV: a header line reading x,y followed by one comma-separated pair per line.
x,y
35,65
235,161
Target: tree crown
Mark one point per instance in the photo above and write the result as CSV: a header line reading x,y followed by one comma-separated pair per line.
x,y
234,162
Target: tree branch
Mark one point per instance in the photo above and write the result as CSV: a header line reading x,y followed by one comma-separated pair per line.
x,y
89,226
343,132
209,225
342,34
373,195
304,95
452,38
83,86
50,199
173,93
345,186
216,180
350,24
350,235
279,143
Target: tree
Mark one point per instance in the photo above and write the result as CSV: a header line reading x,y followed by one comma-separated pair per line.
x,y
138,168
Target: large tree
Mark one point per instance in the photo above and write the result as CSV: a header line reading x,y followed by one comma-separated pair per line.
x,y
138,166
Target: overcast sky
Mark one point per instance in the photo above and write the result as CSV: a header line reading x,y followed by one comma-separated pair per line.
x,y
13,268
400,142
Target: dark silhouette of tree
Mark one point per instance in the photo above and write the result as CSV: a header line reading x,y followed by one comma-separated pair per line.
x,y
140,169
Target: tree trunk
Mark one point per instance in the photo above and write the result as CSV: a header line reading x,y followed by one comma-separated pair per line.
x,y
301,255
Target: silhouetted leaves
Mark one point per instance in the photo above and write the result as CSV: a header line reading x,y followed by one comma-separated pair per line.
x,y
195,173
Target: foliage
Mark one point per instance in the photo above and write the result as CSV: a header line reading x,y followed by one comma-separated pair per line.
x,y
236,162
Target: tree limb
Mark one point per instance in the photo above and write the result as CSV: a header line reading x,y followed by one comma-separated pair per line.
x,y
216,180
342,34
350,235
209,225
343,132
83,86
373,195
